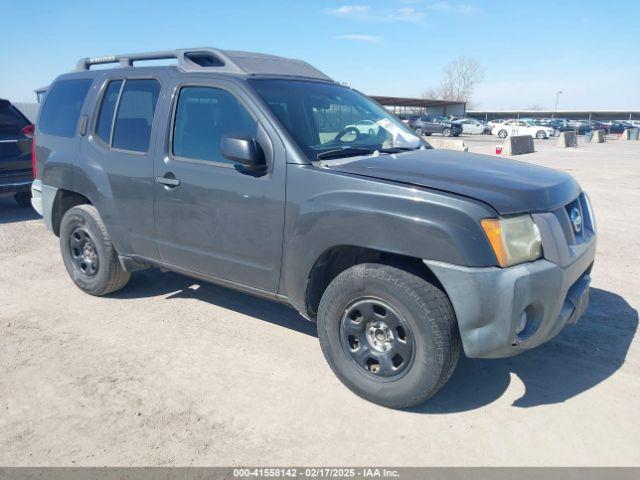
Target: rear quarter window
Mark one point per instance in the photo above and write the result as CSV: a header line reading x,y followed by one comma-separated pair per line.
x,y
105,117
62,107
134,118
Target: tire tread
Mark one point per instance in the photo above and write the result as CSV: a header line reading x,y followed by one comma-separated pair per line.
x,y
431,301
117,277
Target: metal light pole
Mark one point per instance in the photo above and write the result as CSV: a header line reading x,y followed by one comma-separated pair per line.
x,y
555,109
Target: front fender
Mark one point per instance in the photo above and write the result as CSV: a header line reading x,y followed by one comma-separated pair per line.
x,y
326,209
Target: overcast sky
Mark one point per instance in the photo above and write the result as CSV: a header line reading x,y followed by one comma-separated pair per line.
x,y
588,49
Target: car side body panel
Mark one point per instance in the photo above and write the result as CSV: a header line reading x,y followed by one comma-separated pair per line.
x,y
326,209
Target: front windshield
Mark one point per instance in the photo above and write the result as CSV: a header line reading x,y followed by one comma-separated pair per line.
x,y
329,120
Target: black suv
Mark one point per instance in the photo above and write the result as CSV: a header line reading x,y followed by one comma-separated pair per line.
x,y
16,174
262,174
428,124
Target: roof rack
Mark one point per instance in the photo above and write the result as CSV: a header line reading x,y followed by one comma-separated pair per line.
x,y
188,59
213,59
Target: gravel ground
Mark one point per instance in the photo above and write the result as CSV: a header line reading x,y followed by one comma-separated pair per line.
x,y
171,371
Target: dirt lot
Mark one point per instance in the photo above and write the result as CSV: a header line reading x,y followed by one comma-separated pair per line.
x,y
170,371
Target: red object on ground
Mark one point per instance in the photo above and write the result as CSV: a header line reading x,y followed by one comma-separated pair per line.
x,y
498,149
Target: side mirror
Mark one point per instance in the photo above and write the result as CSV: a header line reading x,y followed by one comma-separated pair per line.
x,y
243,149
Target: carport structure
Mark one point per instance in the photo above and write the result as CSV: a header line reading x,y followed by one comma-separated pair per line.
x,y
405,107
601,115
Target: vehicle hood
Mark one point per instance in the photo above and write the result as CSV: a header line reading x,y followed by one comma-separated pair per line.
x,y
506,185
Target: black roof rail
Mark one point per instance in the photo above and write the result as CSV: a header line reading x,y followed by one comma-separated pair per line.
x,y
207,59
188,59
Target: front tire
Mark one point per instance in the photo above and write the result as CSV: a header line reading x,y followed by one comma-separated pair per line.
x,y
88,254
390,336
446,132
419,131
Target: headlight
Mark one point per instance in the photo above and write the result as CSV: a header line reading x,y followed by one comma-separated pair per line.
x,y
514,239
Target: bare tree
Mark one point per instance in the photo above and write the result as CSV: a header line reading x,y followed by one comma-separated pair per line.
x,y
459,81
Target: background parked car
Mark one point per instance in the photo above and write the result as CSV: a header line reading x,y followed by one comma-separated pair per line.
x,y
428,124
496,121
16,133
631,123
583,126
558,124
522,127
473,126
366,126
615,126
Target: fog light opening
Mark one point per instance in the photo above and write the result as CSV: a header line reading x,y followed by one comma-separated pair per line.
x,y
522,323
527,324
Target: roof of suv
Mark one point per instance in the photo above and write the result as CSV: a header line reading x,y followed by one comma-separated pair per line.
x,y
213,60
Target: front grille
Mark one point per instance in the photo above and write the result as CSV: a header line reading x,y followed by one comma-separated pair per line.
x,y
574,215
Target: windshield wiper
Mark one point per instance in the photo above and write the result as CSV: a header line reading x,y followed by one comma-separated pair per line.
x,y
345,152
397,149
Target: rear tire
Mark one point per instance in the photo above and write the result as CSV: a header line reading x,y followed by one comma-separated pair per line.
x,y
23,198
540,135
502,134
446,132
88,254
408,317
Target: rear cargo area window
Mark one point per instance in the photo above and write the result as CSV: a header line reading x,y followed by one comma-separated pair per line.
x,y
132,128
62,107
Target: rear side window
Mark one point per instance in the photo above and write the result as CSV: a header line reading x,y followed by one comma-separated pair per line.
x,y
203,116
62,107
11,120
132,128
105,117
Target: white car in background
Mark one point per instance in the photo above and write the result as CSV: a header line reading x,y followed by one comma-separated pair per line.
x,y
366,126
471,126
522,127
496,121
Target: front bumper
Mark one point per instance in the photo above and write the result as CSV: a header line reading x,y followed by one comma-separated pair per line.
x,y
492,304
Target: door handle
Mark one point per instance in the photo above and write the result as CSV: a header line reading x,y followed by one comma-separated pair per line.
x,y
168,180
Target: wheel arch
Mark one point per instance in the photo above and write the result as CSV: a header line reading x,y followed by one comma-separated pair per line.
x,y
339,258
63,202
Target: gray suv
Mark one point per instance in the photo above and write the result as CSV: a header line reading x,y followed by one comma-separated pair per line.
x,y
253,172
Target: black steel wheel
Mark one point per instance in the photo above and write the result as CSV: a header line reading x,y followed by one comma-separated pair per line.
x,y
83,252
390,336
377,338
88,253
